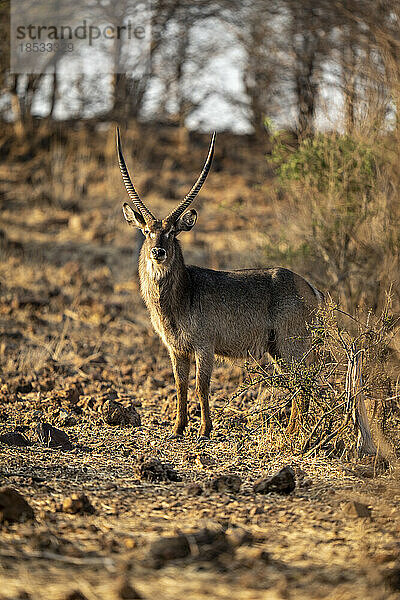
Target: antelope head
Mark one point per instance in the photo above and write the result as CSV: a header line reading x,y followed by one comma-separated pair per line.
x,y
159,244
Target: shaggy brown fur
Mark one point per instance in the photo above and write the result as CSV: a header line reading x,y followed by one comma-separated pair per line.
x,y
200,313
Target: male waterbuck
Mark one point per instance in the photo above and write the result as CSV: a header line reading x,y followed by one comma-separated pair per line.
x,y
201,313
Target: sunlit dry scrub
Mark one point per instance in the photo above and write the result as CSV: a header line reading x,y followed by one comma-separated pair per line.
x,y
306,410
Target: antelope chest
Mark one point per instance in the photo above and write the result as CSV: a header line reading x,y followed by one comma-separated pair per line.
x,y
159,326
171,334
165,300
166,325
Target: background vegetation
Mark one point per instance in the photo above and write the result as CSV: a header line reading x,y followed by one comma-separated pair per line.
x,y
306,175
312,185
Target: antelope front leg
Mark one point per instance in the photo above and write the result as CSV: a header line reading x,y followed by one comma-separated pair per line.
x,y
204,367
181,367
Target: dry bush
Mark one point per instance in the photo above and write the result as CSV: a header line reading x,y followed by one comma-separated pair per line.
x,y
306,409
338,203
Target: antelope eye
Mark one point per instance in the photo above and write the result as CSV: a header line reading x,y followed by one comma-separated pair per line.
x,y
146,231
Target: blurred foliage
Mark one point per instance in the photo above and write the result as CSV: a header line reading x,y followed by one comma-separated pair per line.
x,y
341,189
328,162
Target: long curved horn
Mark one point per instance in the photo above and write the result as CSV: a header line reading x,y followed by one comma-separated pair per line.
x,y
142,208
188,199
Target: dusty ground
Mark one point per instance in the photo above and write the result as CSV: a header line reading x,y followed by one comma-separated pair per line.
x,y
74,332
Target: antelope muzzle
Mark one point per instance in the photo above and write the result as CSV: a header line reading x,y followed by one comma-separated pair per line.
x,y
159,255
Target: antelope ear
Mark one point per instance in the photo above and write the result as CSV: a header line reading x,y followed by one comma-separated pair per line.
x,y
186,222
132,217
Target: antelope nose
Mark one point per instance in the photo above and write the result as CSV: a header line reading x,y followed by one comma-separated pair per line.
x,y
158,253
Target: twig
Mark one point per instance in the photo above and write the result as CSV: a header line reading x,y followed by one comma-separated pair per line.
x,y
355,402
326,440
347,315
319,423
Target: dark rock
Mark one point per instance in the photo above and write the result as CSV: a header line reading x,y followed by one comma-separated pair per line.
x,y
169,548
392,579
126,592
205,544
224,483
264,556
154,470
357,510
73,391
282,482
13,506
23,595
52,437
75,595
77,503
115,413
24,388
193,489
15,438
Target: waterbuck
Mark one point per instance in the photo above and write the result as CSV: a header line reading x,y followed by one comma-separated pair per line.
x,y
201,313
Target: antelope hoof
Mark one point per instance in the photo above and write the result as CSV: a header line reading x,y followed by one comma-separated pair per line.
x,y
205,432
178,430
202,438
176,436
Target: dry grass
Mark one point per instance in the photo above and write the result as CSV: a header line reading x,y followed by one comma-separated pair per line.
x,y
73,322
